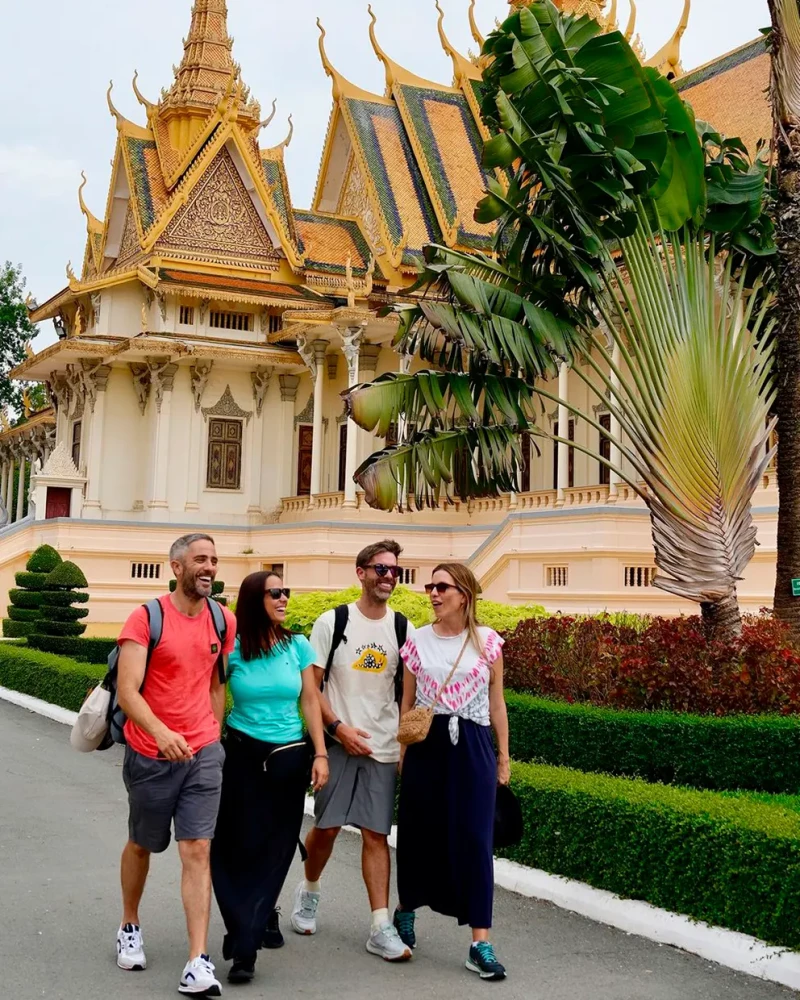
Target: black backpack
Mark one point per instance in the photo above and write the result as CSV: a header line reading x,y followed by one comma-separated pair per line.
x,y
155,616
341,618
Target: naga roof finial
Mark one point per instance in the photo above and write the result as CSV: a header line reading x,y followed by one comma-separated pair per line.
x,y
147,105
271,115
473,25
668,58
379,51
111,107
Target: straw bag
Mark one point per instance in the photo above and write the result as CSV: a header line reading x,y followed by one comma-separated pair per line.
x,y
416,724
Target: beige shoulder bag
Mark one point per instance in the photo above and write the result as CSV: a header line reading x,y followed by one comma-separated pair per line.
x,y
416,724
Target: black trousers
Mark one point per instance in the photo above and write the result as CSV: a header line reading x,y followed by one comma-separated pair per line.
x,y
260,816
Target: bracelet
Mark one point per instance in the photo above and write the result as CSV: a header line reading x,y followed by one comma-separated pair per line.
x,y
324,756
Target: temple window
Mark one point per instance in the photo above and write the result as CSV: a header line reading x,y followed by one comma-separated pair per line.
x,y
186,316
556,576
224,455
77,430
231,321
639,576
275,324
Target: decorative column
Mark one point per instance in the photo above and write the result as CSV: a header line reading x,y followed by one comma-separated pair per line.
x,y
162,377
289,384
9,497
96,382
4,481
351,344
314,357
616,430
260,379
200,374
563,431
21,488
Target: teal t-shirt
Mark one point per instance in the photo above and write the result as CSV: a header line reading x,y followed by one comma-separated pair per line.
x,y
266,691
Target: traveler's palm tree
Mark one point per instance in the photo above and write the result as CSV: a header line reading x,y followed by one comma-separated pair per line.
x,y
613,229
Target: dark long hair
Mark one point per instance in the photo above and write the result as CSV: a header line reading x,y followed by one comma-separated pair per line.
x,y
256,630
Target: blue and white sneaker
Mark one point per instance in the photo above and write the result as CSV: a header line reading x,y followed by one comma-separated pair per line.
x,y
198,979
130,948
483,960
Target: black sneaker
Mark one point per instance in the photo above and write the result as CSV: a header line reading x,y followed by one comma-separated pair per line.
x,y
272,935
243,970
483,960
404,925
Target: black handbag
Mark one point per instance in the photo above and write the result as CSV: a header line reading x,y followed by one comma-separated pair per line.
x,y
509,827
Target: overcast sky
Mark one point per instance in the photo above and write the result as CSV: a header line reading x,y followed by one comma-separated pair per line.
x,y
56,59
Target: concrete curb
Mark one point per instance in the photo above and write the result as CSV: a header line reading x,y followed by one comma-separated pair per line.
x,y
715,944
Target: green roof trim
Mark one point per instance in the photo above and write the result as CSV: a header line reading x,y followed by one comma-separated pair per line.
x,y
745,53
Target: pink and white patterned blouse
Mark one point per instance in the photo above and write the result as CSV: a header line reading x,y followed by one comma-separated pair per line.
x,y
430,657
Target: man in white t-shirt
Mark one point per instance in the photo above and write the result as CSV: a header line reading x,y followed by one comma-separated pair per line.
x,y
361,713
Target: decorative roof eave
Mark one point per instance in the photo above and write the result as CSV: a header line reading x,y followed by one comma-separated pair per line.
x,y
49,309
200,294
463,69
44,418
342,87
395,73
74,347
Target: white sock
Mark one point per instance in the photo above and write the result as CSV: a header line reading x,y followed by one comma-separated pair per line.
x,y
312,886
379,918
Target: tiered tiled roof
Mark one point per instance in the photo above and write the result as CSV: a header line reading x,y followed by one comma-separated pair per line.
x,y
331,241
732,93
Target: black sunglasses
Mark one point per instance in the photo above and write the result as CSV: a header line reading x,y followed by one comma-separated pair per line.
x,y
275,593
382,570
440,588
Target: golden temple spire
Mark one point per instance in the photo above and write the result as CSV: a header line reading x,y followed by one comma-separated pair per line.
x,y
207,64
631,27
668,58
610,22
592,8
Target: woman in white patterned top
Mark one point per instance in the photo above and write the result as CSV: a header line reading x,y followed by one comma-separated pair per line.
x,y
445,826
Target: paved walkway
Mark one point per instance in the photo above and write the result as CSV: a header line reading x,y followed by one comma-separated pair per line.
x,y
62,825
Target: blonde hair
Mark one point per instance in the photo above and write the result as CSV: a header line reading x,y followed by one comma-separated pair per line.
x,y
467,583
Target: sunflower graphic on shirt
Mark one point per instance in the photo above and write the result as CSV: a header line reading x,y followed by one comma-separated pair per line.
x,y
371,659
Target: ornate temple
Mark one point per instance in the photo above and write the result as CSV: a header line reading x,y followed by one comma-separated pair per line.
x,y
206,337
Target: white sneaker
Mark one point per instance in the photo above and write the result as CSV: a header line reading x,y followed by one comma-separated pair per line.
x,y
304,910
388,945
198,978
130,948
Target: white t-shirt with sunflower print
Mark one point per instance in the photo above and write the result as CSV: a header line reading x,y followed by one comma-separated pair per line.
x,y
361,688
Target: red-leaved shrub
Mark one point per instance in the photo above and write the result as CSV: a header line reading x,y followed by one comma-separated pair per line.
x,y
668,665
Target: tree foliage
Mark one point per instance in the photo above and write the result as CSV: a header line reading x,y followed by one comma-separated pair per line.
x,y
16,330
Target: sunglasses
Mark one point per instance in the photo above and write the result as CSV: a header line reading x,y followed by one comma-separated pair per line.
x,y
275,593
440,588
382,570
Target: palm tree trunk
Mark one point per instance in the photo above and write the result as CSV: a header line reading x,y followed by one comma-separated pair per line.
x,y
785,94
722,620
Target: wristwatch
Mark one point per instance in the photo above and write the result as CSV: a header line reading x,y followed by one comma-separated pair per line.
x,y
333,727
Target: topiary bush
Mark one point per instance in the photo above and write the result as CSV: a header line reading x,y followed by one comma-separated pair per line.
x,y
57,617
27,598
80,648
54,679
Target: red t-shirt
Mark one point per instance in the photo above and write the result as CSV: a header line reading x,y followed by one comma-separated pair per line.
x,y
178,681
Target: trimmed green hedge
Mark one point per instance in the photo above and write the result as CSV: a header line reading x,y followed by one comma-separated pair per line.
x,y
17,630
23,614
730,861
63,598
67,614
751,752
55,679
78,648
44,560
26,598
31,581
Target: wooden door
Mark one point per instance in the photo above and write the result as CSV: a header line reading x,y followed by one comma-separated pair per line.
x,y
342,456
305,440
59,502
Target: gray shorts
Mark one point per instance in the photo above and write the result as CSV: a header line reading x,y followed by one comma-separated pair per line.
x,y
163,791
360,792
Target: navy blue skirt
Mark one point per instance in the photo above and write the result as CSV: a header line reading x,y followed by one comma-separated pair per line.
x,y
445,825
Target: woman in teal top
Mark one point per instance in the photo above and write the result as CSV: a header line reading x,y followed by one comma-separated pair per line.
x,y
265,777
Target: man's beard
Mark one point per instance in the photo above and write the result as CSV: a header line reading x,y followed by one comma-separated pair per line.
x,y
190,589
378,595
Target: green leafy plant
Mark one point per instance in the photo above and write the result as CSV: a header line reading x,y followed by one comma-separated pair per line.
x,y
61,592
57,680
624,243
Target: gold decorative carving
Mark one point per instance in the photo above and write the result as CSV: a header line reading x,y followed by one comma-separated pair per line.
x,y
356,204
129,244
221,218
227,406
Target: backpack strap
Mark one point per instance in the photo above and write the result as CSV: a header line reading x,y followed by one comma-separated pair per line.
x,y
341,618
221,628
401,633
155,618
